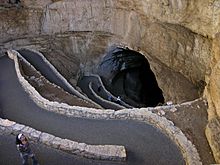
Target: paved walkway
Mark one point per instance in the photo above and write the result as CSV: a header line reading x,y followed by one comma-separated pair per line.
x,y
38,62
45,155
84,85
99,90
144,143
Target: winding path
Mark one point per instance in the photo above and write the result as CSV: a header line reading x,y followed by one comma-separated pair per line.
x,y
85,83
100,90
49,71
144,143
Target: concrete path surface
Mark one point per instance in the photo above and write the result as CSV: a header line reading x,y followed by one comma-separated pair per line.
x,y
84,85
45,155
48,71
99,89
144,143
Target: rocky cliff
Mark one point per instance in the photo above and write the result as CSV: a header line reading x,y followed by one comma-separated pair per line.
x,y
180,39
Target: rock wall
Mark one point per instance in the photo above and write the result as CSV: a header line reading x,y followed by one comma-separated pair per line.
x,y
177,35
76,40
200,16
177,47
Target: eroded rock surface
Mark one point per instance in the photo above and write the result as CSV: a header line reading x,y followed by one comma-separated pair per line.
x,y
212,133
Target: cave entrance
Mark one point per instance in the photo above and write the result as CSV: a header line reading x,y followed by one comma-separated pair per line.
x,y
127,73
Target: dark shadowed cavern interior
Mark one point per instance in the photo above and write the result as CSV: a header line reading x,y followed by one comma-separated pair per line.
x,y
127,74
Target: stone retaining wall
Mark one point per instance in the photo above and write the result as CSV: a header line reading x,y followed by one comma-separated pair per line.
x,y
117,106
77,93
109,93
100,152
188,150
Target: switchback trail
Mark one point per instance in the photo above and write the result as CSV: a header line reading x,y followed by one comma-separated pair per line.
x,y
144,143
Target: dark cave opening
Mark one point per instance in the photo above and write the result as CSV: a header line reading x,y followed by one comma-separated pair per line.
x,y
127,73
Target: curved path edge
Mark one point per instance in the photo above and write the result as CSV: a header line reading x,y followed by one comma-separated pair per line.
x,y
188,150
109,93
77,93
100,152
117,106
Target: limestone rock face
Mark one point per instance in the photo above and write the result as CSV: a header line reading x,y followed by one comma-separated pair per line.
x,y
201,16
179,57
213,87
73,37
175,46
212,133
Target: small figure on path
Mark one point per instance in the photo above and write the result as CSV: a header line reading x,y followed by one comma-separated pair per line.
x,y
109,98
24,149
118,100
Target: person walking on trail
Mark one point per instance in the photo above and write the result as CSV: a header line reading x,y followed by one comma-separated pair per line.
x,y
109,98
118,100
24,149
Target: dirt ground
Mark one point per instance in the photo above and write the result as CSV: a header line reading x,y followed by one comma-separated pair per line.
x,y
49,90
190,118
